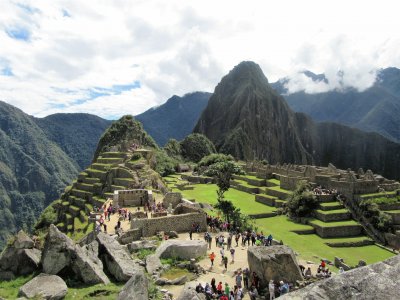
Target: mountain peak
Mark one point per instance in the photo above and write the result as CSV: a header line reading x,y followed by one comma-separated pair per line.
x,y
246,69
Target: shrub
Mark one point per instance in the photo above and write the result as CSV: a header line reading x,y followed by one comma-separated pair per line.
x,y
196,146
214,158
49,216
302,202
164,164
379,219
173,148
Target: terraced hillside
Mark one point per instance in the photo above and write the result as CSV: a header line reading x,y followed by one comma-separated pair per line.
x,y
111,171
331,233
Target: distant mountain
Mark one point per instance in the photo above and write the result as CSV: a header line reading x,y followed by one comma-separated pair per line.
x,y
76,134
34,168
247,118
376,109
176,118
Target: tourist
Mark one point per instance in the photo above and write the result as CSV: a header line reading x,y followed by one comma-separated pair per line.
x,y
238,280
323,264
283,288
271,289
233,254
226,262
255,280
222,252
212,257
105,227
207,291
190,234
308,273
302,268
253,293
246,273
219,288
341,270
237,237
199,288
209,240
269,240
232,296
229,242
213,286
226,288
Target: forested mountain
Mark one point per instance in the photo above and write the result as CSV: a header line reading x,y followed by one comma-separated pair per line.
x,y
34,169
175,118
376,109
247,118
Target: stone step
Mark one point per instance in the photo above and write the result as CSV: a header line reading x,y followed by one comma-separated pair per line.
x,y
265,199
90,180
73,210
326,198
336,229
101,167
123,181
110,160
277,193
81,194
326,206
114,154
101,175
84,187
333,215
263,215
246,189
351,242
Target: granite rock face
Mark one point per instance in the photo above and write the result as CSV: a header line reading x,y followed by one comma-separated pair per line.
x,y
136,288
49,287
23,241
116,257
377,281
182,249
273,262
60,254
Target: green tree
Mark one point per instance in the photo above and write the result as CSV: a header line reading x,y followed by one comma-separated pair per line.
x,y
223,171
195,146
302,202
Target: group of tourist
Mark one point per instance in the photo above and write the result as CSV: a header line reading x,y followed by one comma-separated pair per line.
x,y
319,190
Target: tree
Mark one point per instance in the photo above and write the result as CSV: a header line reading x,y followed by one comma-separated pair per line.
x,y
223,171
302,202
195,146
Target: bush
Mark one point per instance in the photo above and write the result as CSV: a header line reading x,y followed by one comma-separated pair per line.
x,y
136,156
379,219
49,216
302,202
214,158
164,165
173,148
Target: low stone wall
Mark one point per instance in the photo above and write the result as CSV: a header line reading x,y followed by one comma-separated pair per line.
x,y
395,217
265,200
392,206
278,194
290,183
351,244
132,198
339,231
333,216
246,189
172,198
178,223
393,240
197,179
130,236
325,198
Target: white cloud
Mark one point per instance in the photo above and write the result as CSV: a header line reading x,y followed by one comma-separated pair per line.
x,y
175,47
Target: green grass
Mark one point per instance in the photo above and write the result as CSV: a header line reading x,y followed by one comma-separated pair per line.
x,y
278,188
336,211
310,245
329,204
245,183
98,291
9,289
334,224
174,273
275,181
206,193
383,194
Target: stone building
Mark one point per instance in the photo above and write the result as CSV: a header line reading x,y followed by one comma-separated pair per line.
x,y
132,198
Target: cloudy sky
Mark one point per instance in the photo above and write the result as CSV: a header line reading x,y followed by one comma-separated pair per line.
x,y
111,58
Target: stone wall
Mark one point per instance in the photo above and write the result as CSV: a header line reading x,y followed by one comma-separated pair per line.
x,y
172,198
197,179
178,223
290,183
133,198
339,231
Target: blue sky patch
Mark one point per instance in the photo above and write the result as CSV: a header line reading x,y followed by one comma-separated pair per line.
x,y
28,9
66,13
18,33
7,71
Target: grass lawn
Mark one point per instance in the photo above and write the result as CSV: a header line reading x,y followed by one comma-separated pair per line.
x,y
383,194
329,204
310,245
336,211
206,193
275,181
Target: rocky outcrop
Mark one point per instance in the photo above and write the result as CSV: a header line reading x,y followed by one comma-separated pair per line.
x,y
144,244
49,287
136,288
274,262
189,293
153,264
116,257
377,281
182,249
61,254
19,258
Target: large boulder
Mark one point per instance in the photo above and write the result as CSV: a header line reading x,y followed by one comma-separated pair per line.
x,y
61,254
23,241
274,262
182,249
377,281
19,261
50,287
116,257
189,293
153,264
144,244
136,288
